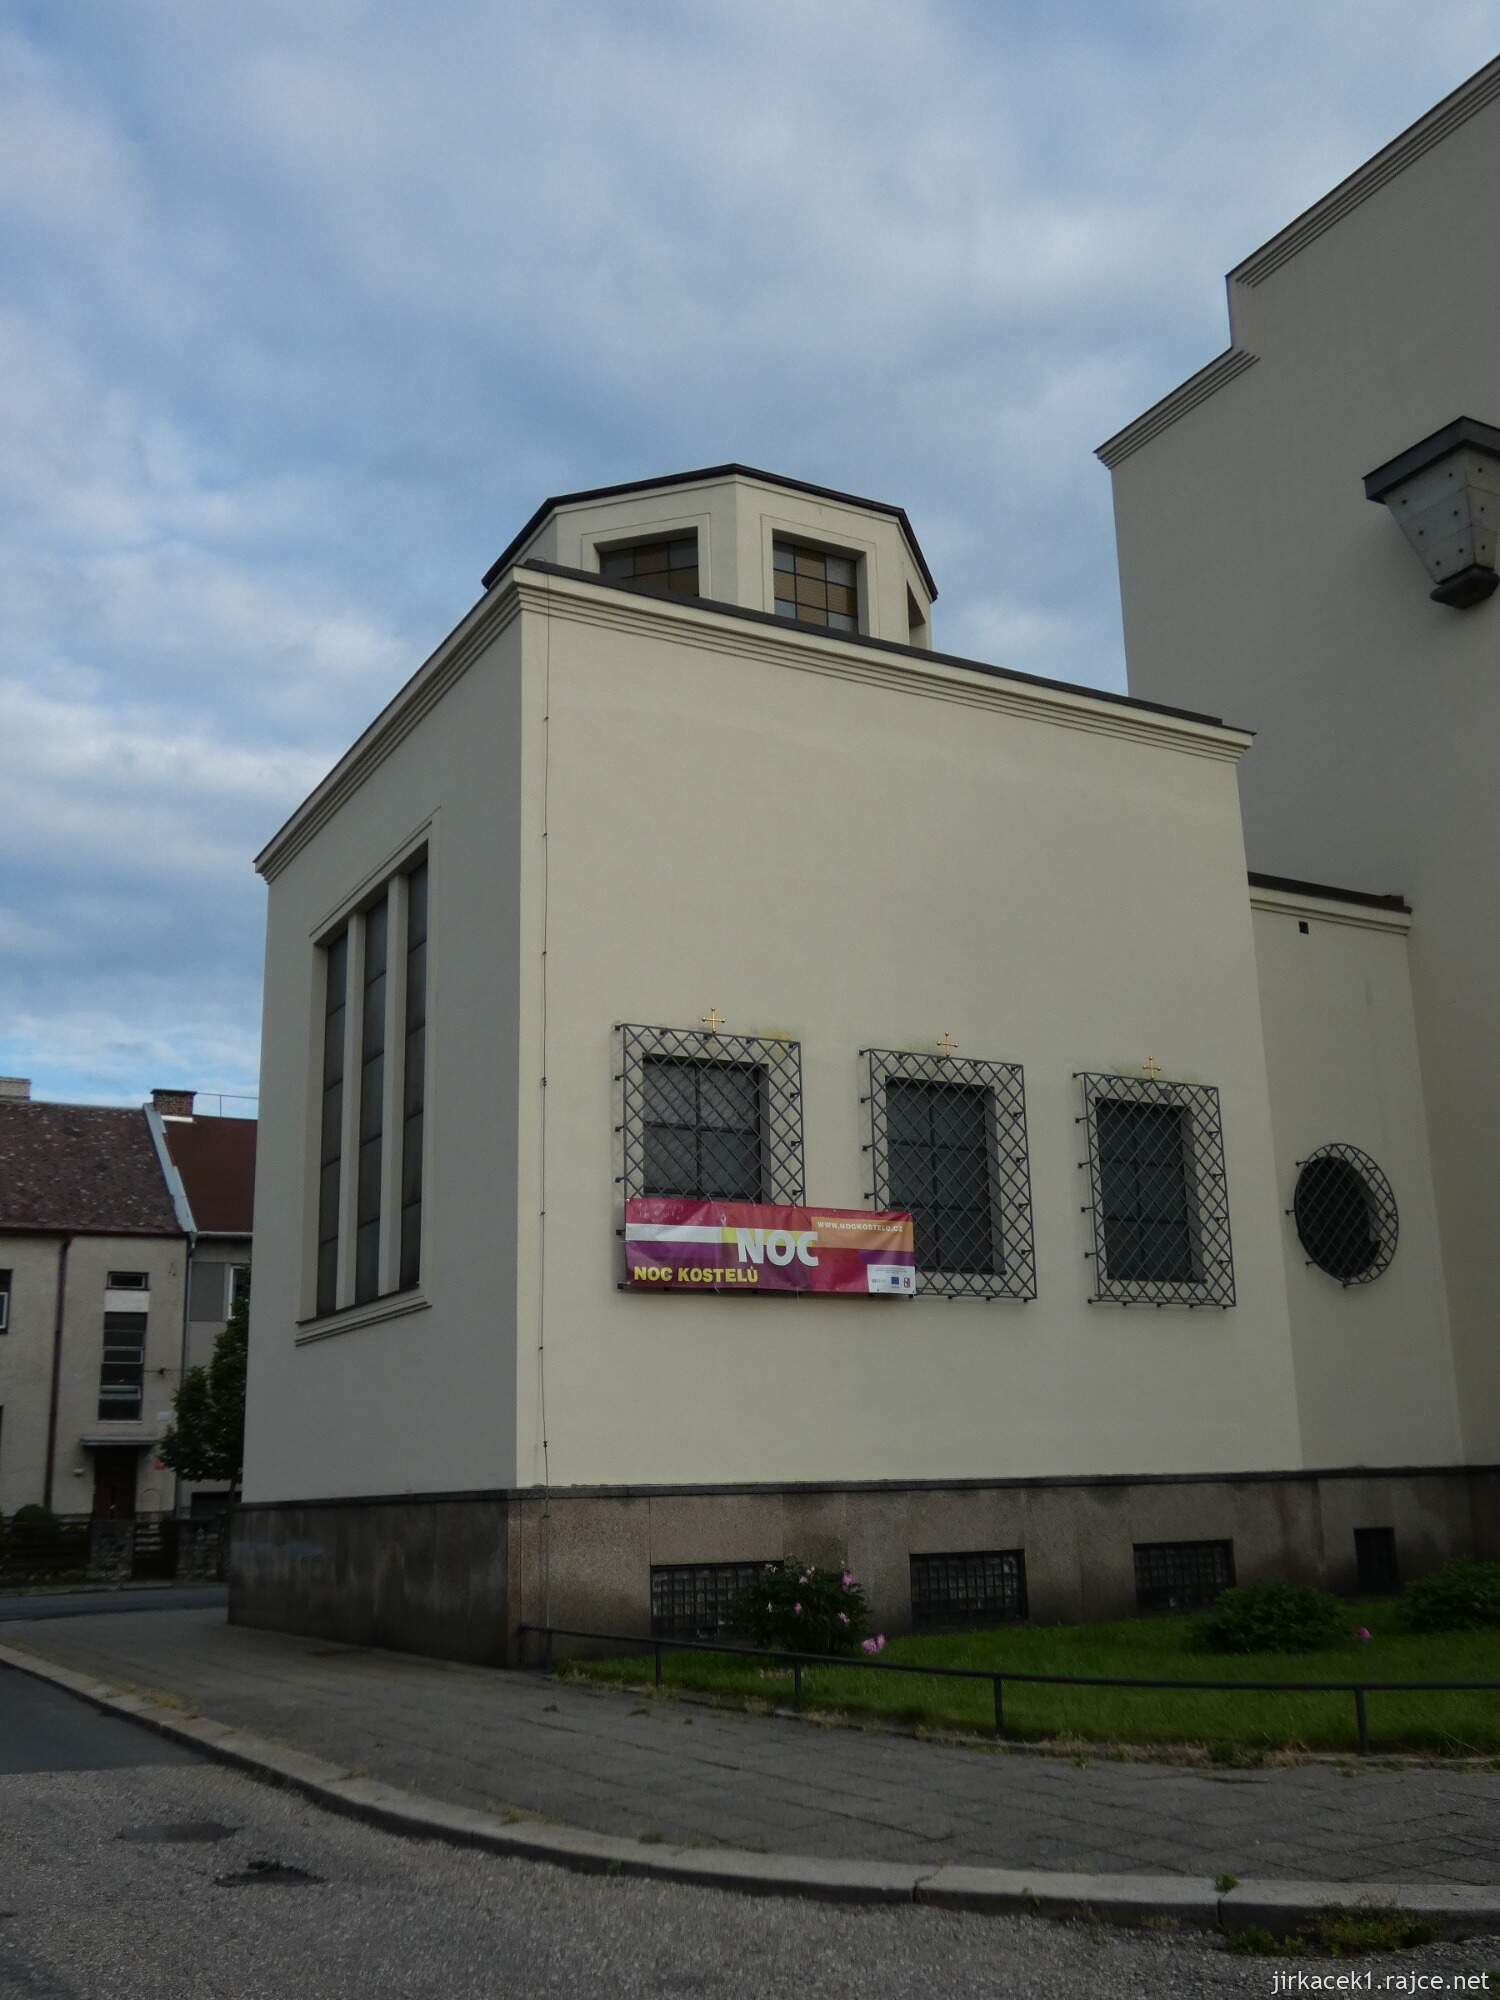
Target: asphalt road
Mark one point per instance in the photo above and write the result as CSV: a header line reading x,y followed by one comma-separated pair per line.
x,y
90,1603
130,1867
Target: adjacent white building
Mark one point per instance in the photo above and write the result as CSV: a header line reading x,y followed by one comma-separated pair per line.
x,y
687,869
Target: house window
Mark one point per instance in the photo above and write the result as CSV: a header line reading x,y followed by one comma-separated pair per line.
x,y
128,1281
663,568
1375,1561
369,1232
206,1293
819,589
1159,1195
1345,1212
4,1301
239,1286
414,1077
694,1600
981,1589
122,1373
1179,1576
948,1143
371,1104
711,1116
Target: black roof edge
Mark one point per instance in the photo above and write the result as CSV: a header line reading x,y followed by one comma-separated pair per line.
x,y
895,646
1289,885
504,560
1416,457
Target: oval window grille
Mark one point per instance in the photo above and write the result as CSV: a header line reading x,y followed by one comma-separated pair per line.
x,y
1345,1213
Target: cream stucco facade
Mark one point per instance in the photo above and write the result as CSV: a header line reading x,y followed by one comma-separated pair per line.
x,y
1256,573
635,809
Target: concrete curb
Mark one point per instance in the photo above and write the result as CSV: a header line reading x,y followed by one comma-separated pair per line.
x,y
1279,1906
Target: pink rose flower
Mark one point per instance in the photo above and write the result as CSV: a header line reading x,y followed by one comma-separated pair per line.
x,y
846,1581
1363,1632
875,1645
797,1610
843,1618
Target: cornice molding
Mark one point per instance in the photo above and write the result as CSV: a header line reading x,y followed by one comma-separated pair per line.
x,y
401,714
1403,151
1186,396
712,631
1358,916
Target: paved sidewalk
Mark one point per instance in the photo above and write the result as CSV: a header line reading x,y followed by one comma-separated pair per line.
x,y
690,1775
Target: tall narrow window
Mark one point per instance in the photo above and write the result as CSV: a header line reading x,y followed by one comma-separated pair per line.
x,y
4,1301
1143,1172
703,1128
122,1373
371,1104
1159,1192
414,1072
336,969
938,1134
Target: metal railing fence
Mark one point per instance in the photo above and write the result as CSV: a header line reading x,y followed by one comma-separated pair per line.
x,y
800,1662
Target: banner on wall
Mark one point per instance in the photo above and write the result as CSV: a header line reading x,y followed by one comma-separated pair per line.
x,y
752,1246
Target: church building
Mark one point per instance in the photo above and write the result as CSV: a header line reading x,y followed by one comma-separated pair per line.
x,y
740,1081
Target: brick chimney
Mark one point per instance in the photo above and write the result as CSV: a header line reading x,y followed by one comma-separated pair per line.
x,y
173,1103
16,1088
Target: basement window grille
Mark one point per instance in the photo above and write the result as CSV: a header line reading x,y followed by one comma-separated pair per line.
x,y
948,1144
710,1116
1181,1576
1158,1192
694,1600
980,1589
1375,1561
1345,1212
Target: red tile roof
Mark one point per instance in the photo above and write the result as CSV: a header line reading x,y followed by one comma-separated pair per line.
x,y
81,1166
216,1158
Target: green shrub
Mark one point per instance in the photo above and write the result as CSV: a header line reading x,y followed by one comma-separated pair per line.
x,y
803,1609
1271,1618
1462,1596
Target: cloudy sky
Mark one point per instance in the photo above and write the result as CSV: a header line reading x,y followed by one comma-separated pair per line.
x,y
305,306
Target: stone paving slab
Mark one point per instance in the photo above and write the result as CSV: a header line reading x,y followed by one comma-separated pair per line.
x,y
662,1771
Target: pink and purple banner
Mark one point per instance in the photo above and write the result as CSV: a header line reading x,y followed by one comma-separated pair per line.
x,y
727,1245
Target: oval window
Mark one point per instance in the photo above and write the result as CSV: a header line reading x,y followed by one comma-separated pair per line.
x,y
1346,1215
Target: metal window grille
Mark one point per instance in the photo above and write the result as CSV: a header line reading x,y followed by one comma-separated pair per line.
x,y
948,1143
712,1116
968,1589
693,1600
1158,1192
1375,1560
1177,1576
1346,1216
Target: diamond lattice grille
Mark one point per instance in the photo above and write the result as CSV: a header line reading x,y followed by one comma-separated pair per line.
x,y
948,1143
709,1116
1158,1192
1346,1216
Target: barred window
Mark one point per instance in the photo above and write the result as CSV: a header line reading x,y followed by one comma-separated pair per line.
x,y
369,1205
1375,1561
980,1589
667,568
710,1116
693,1600
122,1372
1158,1192
948,1144
818,588
1179,1576
1345,1212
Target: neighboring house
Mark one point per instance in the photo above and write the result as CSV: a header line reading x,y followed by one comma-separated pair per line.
x,y
214,1159
109,1286
1307,534
93,1260
685,885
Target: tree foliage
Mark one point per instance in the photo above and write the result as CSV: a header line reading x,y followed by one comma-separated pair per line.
x,y
207,1440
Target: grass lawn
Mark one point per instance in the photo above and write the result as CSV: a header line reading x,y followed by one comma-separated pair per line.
x,y
1151,1649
